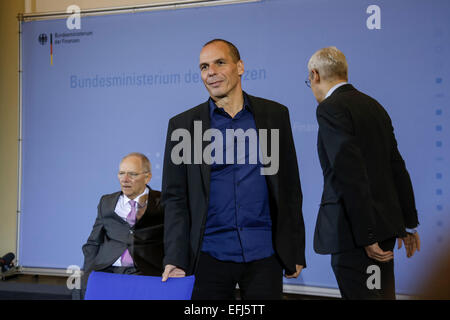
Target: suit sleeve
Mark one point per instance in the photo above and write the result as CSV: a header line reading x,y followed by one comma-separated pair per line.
x,y
293,192
90,249
176,211
95,240
403,185
351,180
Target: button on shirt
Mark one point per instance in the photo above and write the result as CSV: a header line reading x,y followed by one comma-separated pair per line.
x,y
238,226
123,208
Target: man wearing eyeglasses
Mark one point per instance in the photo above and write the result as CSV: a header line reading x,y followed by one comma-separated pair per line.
x,y
127,236
368,200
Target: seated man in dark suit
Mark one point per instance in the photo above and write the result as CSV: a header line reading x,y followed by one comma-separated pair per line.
x,y
127,236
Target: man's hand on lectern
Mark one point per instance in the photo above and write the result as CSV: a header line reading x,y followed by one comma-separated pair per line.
x,y
171,271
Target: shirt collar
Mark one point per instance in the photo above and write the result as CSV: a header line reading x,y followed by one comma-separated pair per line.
x,y
127,200
340,84
213,107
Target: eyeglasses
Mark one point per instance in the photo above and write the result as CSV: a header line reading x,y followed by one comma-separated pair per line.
x,y
132,175
308,82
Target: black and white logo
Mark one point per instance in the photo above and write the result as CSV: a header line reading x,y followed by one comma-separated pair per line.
x,y
43,38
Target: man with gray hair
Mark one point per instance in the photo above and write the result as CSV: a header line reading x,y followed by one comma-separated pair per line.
x,y
127,236
368,200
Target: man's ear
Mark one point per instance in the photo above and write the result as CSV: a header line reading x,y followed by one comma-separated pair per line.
x,y
240,67
315,76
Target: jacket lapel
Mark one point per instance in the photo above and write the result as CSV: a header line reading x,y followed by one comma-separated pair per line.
x,y
203,116
263,121
151,204
111,205
150,211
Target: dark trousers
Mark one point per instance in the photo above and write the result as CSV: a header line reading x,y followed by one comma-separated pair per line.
x,y
257,280
352,274
122,270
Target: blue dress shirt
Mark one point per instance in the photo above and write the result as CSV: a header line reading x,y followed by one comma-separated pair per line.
x,y
238,226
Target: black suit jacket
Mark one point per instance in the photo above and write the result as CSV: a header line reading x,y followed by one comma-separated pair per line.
x,y
111,235
186,191
367,195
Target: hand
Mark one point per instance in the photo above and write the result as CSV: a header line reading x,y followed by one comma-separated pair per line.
x,y
142,207
412,243
171,271
298,268
375,252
